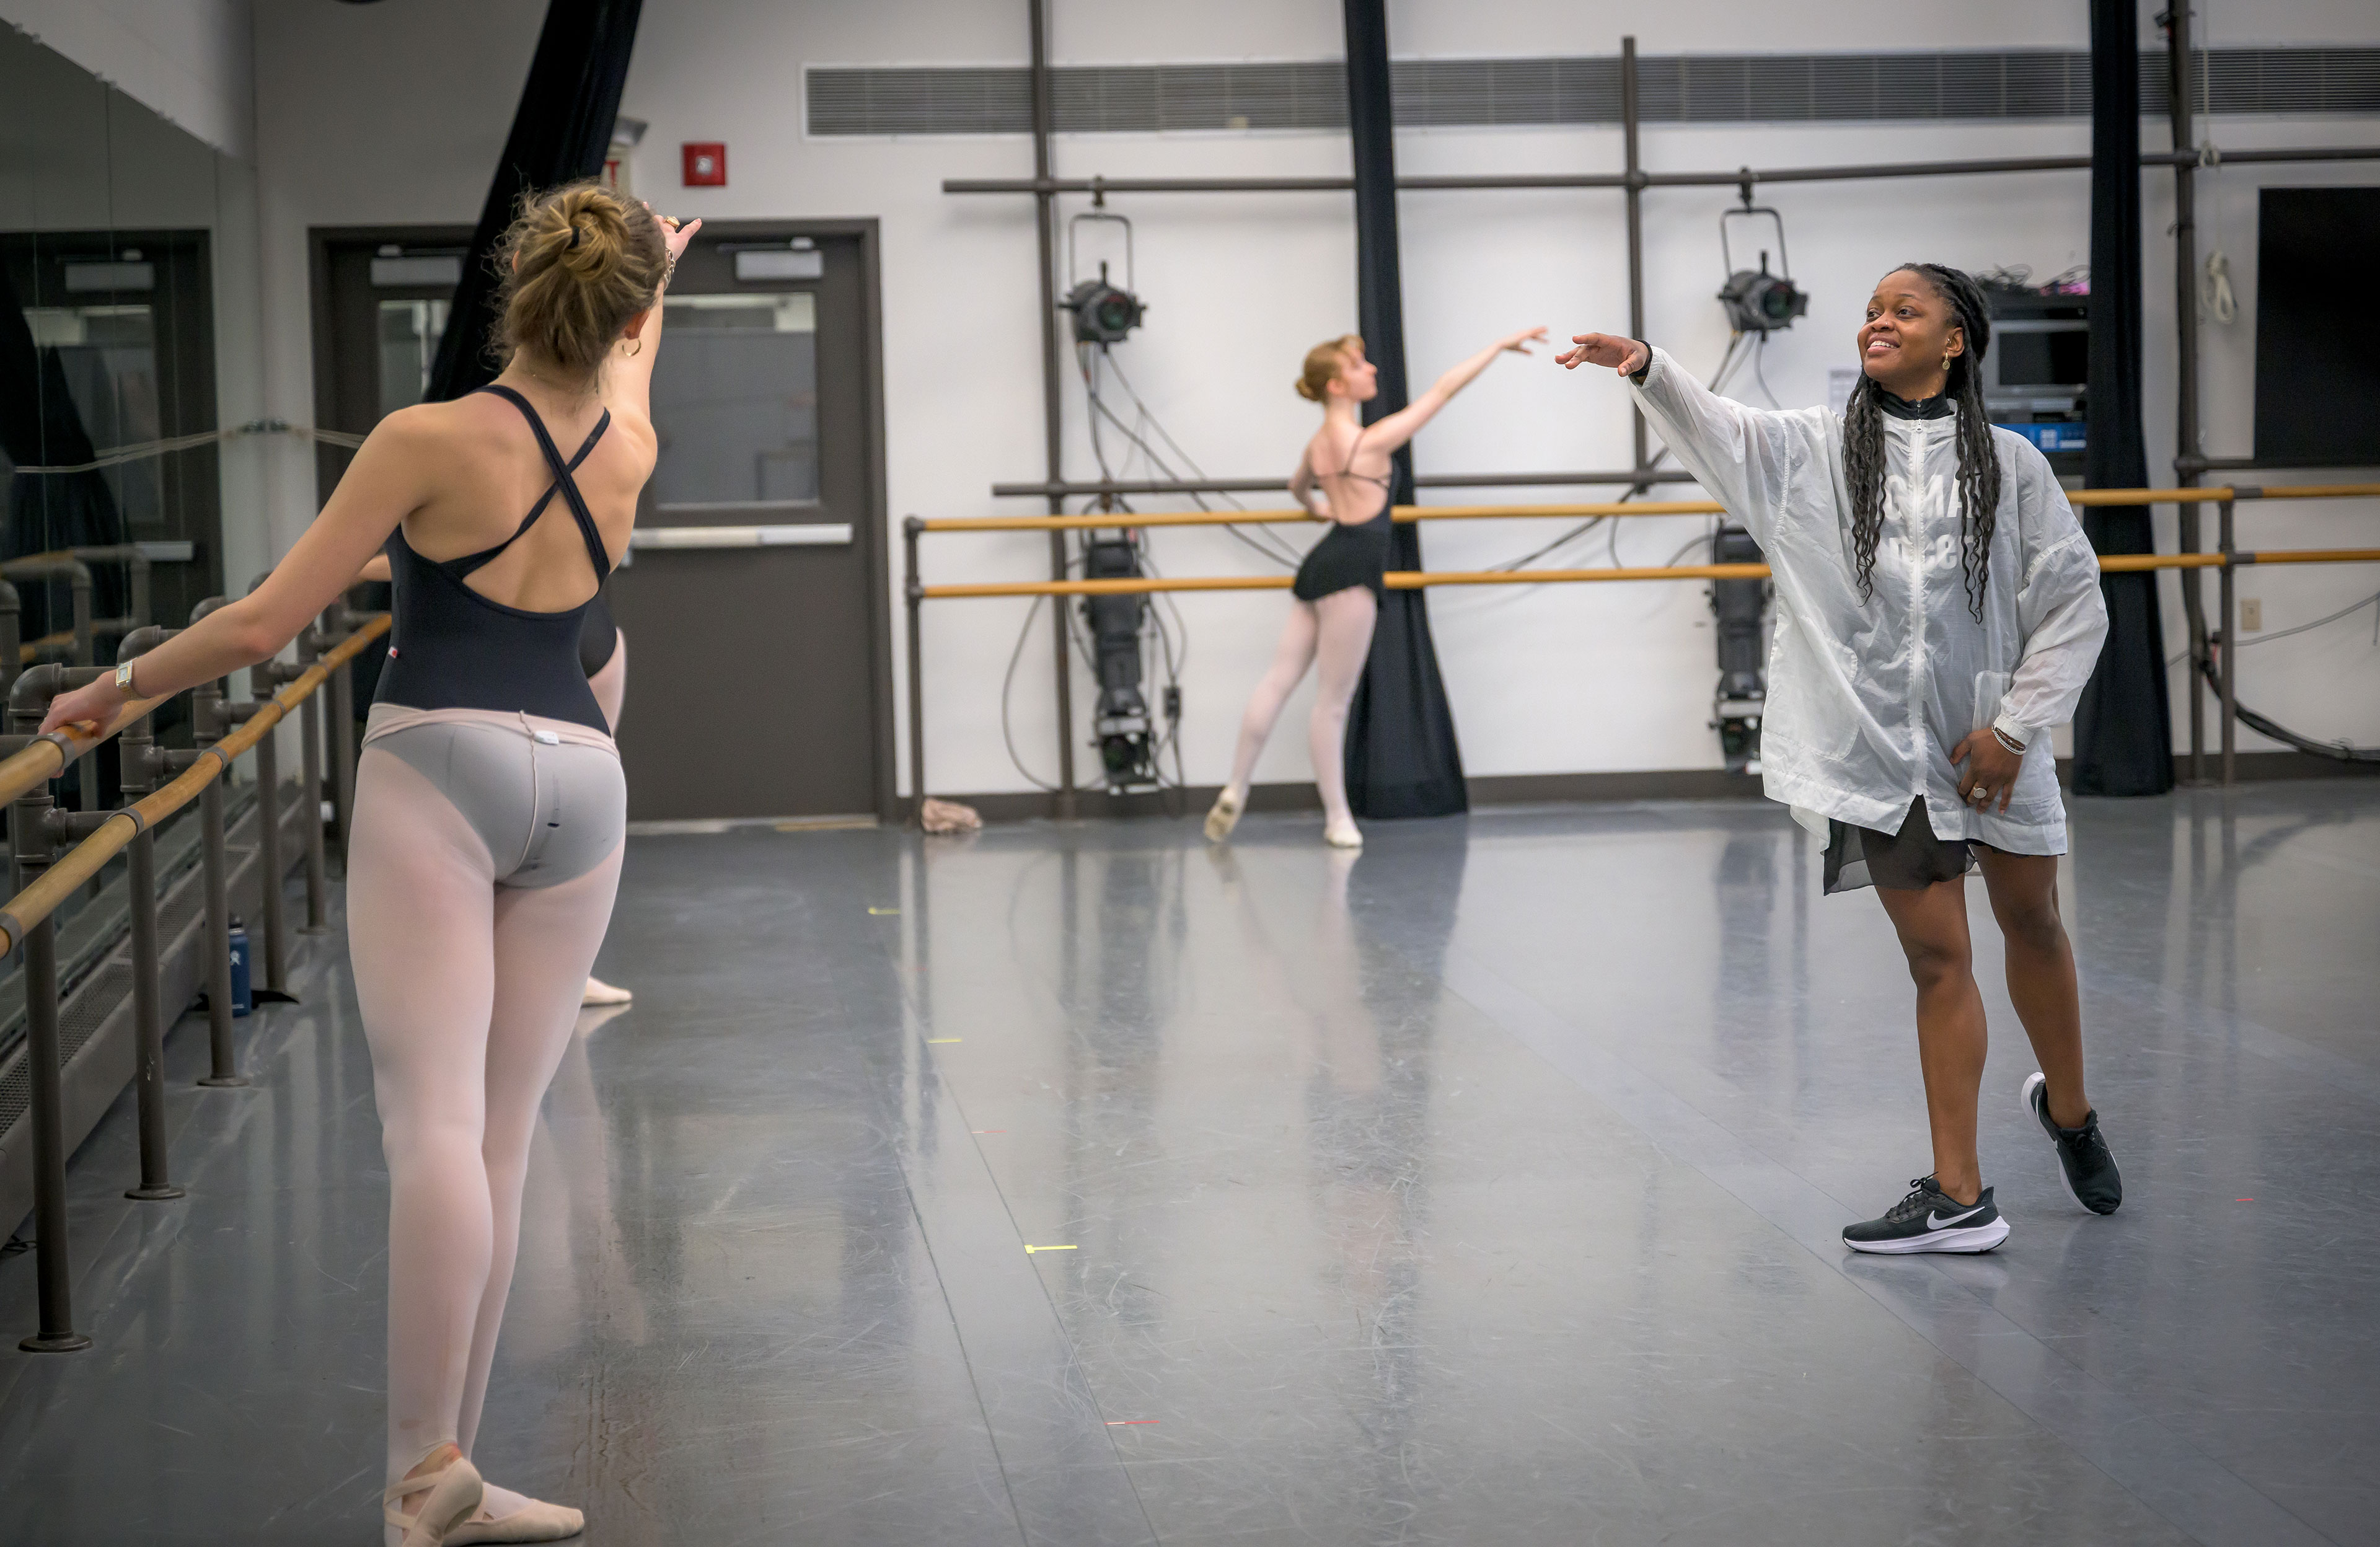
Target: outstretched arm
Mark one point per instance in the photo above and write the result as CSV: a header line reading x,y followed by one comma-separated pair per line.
x,y
1737,453
628,380
1391,430
383,485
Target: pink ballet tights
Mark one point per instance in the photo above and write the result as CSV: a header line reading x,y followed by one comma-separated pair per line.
x,y
469,988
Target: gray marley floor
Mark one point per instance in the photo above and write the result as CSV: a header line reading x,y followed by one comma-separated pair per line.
x,y
1085,1185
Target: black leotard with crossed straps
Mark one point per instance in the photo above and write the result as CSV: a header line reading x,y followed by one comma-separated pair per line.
x,y
451,648
1351,554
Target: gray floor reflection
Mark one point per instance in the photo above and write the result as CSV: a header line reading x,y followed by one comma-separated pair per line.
x,y
1084,1184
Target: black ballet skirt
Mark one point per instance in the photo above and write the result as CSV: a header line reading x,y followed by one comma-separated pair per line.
x,y
1350,554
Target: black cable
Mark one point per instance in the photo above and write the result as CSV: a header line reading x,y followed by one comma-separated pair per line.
x,y
1759,352
2338,751
2300,628
1008,682
1727,364
1279,552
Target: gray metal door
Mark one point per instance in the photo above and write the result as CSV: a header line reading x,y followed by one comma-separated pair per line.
x,y
754,602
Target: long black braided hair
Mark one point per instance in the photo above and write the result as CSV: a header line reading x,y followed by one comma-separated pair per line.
x,y
1979,464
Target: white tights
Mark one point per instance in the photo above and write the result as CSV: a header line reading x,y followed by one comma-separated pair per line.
x,y
469,988
1335,633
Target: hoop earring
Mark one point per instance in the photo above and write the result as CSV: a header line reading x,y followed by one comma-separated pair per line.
x,y
636,346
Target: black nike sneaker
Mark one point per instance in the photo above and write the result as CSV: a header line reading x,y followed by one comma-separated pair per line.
x,y
2082,1158
1929,1220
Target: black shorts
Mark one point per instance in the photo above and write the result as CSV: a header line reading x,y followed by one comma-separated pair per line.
x,y
1909,860
1347,556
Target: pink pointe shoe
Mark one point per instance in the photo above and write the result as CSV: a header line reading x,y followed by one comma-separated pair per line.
x,y
455,1495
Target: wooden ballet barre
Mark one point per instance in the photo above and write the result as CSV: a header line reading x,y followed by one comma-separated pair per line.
x,y
1111,520
1418,579
51,755
79,864
1116,519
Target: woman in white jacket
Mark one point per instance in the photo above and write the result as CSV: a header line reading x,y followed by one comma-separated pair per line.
x,y
1937,611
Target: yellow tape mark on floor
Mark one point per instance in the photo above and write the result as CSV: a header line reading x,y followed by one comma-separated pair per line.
x,y
1030,1250
937,1042
883,913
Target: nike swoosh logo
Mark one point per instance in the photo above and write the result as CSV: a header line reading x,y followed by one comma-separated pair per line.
x,y
1935,1222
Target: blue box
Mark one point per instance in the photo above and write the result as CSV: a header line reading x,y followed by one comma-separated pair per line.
x,y
2051,434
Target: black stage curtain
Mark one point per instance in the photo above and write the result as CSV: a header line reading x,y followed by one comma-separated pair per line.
x,y
41,427
560,134
2123,731
1402,756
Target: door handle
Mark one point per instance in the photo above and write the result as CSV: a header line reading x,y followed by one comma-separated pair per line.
x,y
812,534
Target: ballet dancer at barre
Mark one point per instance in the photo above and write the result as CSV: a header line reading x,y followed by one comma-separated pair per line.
x,y
603,656
1339,587
490,806
1938,613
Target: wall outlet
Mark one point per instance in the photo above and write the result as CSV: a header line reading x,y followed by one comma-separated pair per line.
x,y
2252,614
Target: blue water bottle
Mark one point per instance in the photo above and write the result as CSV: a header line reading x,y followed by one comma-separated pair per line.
x,y
241,1000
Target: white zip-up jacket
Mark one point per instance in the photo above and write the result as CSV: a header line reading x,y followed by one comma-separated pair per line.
x,y
1866,699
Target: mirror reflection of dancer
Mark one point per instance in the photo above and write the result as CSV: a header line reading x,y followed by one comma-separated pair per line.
x,y
490,806
1339,587
1922,559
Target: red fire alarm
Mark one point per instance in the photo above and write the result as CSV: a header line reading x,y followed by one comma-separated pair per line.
x,y
706,165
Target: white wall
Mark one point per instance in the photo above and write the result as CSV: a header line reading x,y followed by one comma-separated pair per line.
x,y
188,60
394,114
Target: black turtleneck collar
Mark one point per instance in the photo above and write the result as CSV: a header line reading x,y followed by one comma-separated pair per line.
x,y
1936,406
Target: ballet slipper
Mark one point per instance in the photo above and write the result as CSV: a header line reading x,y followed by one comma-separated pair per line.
x,y
455,1495
601,993
1349,836
1224,817
535,1521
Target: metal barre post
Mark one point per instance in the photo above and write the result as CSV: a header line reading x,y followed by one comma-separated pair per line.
x,y
30,838
207,728
342,732
915,593
268,846
310,779
138,757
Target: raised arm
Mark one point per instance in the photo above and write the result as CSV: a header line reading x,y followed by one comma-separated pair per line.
x,y
1391,430
629,379
383,485
1737,453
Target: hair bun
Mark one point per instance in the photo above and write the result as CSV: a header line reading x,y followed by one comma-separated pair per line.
x,y
578,263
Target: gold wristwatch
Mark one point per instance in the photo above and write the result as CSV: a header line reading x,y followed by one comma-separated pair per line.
x,y
123,681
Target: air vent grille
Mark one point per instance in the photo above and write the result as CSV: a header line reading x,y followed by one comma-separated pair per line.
x,y
1954,85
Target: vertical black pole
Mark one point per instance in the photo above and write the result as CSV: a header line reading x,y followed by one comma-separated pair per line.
x,y
1403,759
2185,325
2123,731
2227,600
1045,209
1629,117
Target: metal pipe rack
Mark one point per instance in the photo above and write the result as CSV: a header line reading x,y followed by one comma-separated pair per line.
x,y
47,875
2225,560
1631,180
